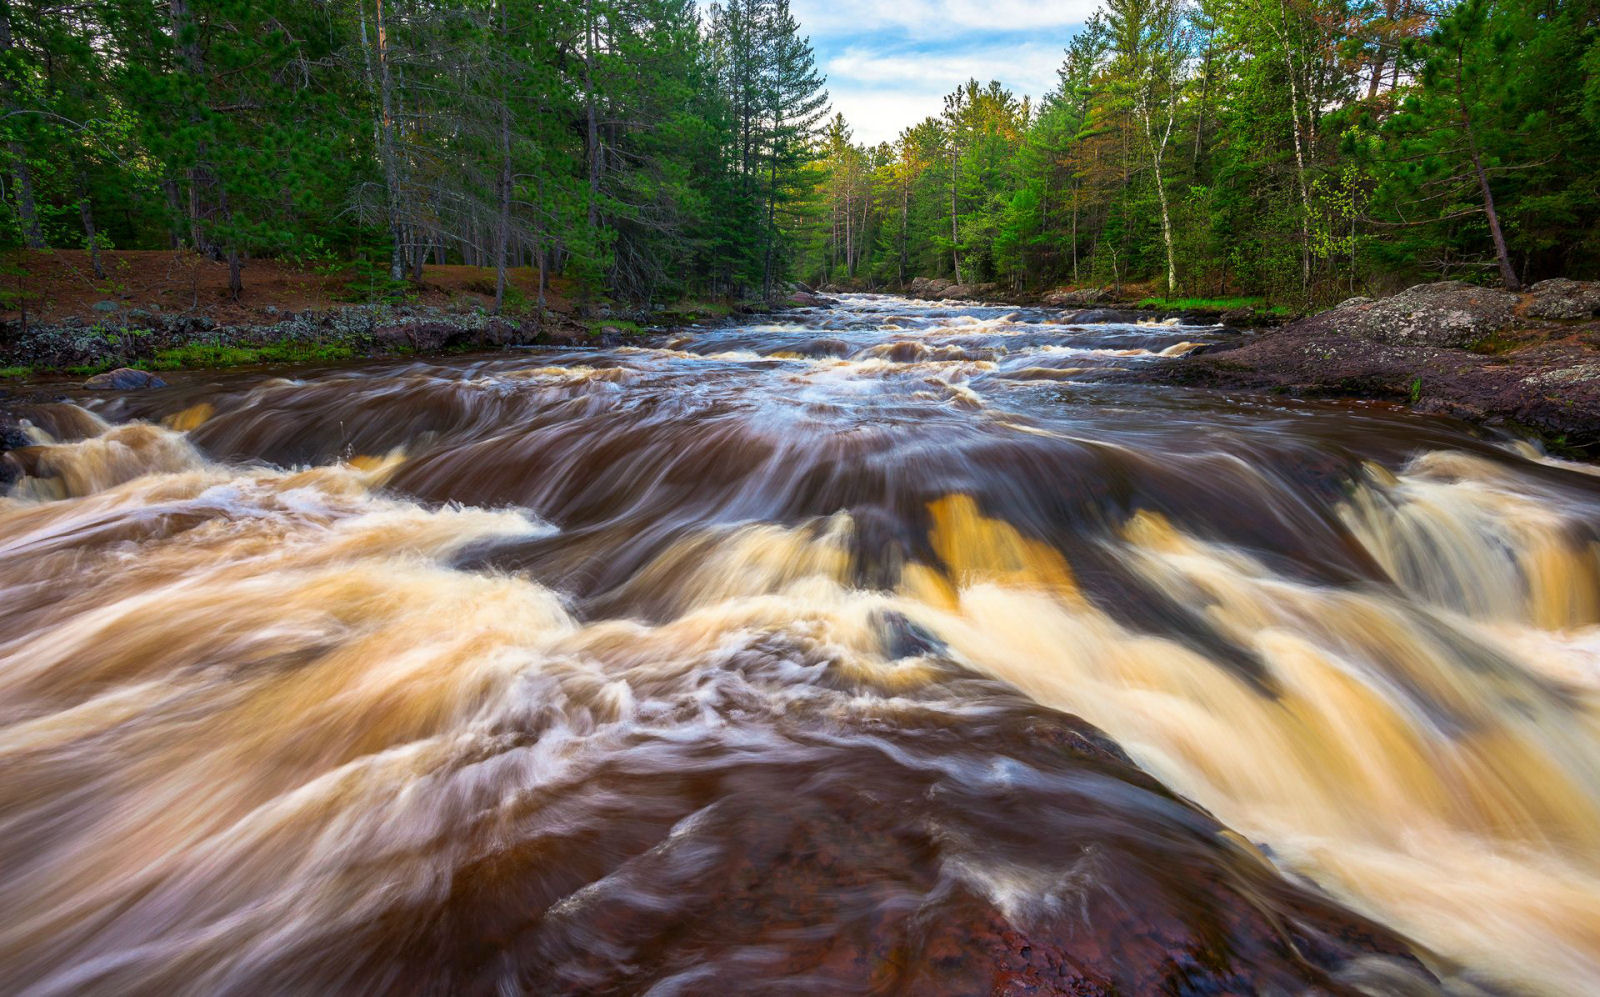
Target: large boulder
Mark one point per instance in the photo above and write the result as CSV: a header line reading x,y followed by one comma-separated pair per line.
x,y
929,288
1561,298
1448,314
1076,298
124,379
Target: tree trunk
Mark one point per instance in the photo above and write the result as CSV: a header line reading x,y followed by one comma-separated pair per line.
x,y
502,235
169,186
1299,161
849,234
591,116
772,213
955,233
86,213
1205,92
1075,231
905,212
386,139
1508,275
1157,154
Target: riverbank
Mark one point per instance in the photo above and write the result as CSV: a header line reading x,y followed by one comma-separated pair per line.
x,y
160,311
1528,363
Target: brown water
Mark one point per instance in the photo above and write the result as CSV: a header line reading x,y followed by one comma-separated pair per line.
x,y
755,662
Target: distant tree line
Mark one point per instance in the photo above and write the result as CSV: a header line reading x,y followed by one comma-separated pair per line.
x,y
629,144
1306,150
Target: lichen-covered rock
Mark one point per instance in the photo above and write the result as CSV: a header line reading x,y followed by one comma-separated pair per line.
x,y
1079,298
1560,298
1447,314
124,379
931,288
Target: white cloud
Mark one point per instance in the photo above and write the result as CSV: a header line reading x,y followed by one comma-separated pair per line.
x,y
889,63
881,94
1029,69
876,117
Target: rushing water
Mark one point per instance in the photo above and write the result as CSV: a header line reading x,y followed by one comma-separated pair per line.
x,y
755,661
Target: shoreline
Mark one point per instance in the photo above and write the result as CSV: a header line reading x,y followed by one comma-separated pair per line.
x,y
1528,364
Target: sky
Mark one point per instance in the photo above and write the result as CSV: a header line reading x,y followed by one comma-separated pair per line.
x,y
889,63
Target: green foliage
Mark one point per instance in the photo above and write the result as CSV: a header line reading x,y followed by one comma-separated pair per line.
x,y
1318,149
216,355
1213,304
622,143
646,150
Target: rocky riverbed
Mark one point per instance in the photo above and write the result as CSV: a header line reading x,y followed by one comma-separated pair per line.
x,y
1527,362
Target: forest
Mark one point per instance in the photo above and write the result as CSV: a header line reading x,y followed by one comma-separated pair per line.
x,y
1303,150
632,145
1299,150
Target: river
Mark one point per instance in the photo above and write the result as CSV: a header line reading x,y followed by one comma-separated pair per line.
x,y
876,648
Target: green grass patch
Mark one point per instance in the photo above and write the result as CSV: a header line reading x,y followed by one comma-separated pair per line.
x,y
1260,305
7,373
215,355
599,325
1493,345
688,312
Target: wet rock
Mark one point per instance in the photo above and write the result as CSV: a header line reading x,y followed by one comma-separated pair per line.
x,y
1560,298
1449,314
124,379
827,347
1550,388
13,437
971,292
1099,316
870,870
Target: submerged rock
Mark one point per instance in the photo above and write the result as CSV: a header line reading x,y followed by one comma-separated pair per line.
x,y
124,379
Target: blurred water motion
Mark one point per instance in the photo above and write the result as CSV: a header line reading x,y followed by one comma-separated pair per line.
x,y
875,650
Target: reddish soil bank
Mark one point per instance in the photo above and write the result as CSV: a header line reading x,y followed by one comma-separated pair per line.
x,y
56,284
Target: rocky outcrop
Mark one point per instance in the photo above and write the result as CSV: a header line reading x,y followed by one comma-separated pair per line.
x,y
929,288
1083,297
1564,299
1449,314
1530,363
359,329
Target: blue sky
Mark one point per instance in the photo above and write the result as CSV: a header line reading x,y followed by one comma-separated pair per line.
x,y
889,64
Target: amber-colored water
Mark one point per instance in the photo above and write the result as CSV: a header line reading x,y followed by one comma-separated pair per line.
x,y
879,650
